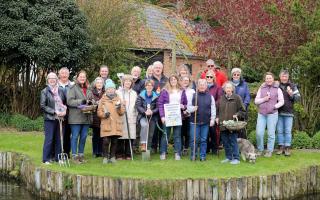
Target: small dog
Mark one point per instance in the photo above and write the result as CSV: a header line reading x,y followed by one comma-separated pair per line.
x,y
247,150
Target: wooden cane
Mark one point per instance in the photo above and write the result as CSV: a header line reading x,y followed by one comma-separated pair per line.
x,y
195,125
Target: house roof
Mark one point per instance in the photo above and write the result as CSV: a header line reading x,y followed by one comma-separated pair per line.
x,y
161,28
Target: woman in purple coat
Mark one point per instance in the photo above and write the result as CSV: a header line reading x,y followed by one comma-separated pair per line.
x,y
171,94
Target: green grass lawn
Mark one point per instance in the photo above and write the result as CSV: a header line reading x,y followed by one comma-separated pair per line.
x,y
31,145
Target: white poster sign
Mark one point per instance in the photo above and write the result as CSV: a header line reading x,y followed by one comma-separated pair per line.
x,y
172,114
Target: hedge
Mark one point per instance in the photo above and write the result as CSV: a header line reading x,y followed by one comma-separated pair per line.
x,y
20,122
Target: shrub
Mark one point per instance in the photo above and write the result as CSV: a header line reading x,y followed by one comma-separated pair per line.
x,y
252,117
23,123
301,140
38,124
253,138
316,140
4,119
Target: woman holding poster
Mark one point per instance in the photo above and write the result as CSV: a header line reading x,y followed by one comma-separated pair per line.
x,y
172,96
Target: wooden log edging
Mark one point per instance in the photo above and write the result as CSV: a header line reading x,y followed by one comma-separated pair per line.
x,y
57,185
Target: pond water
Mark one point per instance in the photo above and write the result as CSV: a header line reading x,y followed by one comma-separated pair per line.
x,y
13,191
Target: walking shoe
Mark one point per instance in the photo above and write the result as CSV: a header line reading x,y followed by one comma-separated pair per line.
x,y
143,147
75,159
105,161
81,159
163,156
112,160
281,150
225,161
268,154
202,159
185,152
177,156
259,153
287,151
235,162
47,163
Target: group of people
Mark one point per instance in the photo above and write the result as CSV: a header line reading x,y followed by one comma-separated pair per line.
x,y
134,115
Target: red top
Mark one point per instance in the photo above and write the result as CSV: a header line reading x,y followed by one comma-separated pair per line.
x,y
221,77
84,90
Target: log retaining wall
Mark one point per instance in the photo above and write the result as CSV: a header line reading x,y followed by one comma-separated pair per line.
x,y
57,185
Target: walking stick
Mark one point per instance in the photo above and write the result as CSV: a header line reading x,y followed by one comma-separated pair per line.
x,y
62,157
195,127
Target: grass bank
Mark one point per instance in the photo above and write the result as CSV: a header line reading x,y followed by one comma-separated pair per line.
x,y
31,145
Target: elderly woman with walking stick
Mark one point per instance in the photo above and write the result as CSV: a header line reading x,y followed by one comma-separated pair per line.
x,y
203,114
128,96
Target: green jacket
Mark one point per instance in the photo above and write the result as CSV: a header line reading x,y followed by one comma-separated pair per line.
x,y
74,98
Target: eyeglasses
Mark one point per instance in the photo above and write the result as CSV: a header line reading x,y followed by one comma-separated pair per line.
x,y
209,76
236,75
211,66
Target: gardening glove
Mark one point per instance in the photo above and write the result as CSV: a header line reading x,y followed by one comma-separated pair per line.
x,y
107,115
84,101
118,105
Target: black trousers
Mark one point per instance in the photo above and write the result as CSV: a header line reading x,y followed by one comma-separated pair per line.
x,y
123,148
185,131
96,141
110,146
67,138
212,140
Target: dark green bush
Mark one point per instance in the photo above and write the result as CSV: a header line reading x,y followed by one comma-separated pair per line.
x,y
253,138
252,117
301,140
316,140
23,123
38,124
4,119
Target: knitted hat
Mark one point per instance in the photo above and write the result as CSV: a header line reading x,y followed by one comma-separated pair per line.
x,y
109,84
234,70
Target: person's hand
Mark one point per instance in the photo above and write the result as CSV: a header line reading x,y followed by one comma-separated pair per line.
x,y
267,98
217,120
118,105
148,112
60,114
289,90
182,106
163,120
234,116
195,108
107,115
211,123
84,101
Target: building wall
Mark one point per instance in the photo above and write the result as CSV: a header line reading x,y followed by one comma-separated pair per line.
x,y
198,65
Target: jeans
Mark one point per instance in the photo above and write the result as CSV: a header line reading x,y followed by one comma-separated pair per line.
x,y
284,128
269,121
229,140
201,139
96,141
78,130
51,140
144,131
176,138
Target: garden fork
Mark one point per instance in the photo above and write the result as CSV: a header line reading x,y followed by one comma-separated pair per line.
x,y
62,157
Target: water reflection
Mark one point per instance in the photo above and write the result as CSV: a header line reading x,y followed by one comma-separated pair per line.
x,y
12,191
